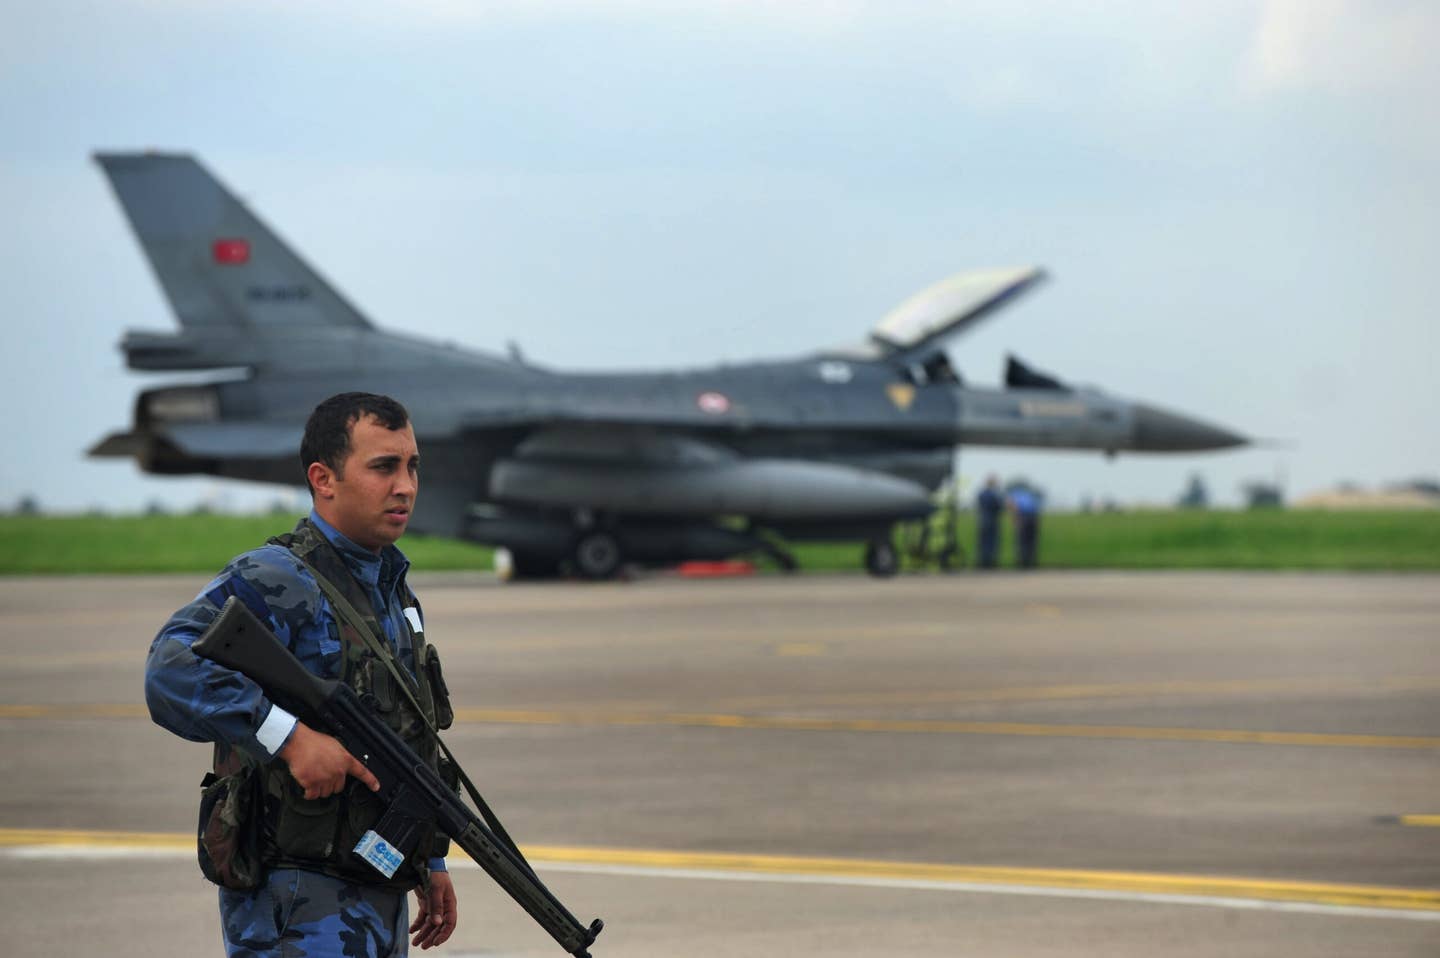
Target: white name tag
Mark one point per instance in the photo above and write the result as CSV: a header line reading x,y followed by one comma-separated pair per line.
x,y
412,615
380,854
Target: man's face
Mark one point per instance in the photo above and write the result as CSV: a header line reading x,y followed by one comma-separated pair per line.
x,y
370,498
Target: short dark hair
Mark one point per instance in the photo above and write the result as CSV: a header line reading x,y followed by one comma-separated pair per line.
x,y
327,431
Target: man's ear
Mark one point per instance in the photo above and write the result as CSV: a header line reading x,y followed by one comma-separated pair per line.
x,y
322,480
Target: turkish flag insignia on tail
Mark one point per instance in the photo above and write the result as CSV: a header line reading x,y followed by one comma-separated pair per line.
x,y
231,252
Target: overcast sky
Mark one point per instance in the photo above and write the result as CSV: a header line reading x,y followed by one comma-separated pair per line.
x,y
1237,201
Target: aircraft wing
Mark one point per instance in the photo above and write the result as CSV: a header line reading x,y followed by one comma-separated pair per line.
x,y
949,307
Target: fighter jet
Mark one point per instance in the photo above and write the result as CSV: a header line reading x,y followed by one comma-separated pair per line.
x,y
583,472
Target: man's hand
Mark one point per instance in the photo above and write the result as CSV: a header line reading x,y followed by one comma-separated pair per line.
x,y
320,763
435,914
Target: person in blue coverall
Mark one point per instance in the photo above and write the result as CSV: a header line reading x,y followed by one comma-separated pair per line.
x,y
1026,505
989,505
361,462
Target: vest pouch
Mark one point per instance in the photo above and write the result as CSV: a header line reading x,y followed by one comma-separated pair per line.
x,y
228,841
381,686
390,702
363,809
306,828
444,713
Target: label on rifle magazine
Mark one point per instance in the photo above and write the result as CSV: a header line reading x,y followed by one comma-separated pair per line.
x,y
380,854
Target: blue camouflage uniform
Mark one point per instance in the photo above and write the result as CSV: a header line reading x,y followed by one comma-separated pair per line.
x,y
294,913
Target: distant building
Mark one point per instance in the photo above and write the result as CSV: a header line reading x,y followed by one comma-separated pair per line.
x,y
1416,494
1429,487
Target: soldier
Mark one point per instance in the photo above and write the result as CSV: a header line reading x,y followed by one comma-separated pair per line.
x,y
988,506
287,802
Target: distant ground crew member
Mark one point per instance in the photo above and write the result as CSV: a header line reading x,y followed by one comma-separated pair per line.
x,y
1025,506
988,506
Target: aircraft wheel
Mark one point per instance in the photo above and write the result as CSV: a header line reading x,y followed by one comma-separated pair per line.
x,y
881,559
597,555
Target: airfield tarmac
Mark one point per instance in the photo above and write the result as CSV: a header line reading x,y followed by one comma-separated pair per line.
x,y
1012,765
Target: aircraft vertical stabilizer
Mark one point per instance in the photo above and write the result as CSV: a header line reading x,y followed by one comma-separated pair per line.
x,y
222,269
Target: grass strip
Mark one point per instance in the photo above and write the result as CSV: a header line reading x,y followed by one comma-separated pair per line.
x,y
1267,539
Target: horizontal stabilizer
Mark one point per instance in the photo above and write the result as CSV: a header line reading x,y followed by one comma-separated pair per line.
x,y
245,440
204,441
119,445
950,307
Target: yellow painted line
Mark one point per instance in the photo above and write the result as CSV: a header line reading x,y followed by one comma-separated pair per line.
x,y
65,838
1145,883
79,711
1326,893
800,649
1165,688
786,723
1111,690
1421,821
701,720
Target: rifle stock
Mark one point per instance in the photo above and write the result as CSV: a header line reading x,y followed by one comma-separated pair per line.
x,y
238,640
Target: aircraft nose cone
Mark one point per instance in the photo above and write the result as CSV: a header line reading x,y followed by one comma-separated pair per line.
x,y
1159,431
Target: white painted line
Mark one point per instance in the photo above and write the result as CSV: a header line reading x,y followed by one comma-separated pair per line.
x,y
1254,904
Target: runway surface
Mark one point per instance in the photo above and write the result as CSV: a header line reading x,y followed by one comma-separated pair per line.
x,y
1050,764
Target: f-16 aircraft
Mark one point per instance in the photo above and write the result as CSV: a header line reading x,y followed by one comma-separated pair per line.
x,y
582,472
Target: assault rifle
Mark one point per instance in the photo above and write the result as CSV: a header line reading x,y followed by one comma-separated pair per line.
x,y
414,794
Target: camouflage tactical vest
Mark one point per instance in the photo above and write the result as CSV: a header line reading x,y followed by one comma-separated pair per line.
x,y
320,834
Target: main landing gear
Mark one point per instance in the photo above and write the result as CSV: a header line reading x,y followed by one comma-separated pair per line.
x,y
881,558
597,555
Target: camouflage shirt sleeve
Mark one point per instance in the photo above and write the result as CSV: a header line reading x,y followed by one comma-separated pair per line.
x,y
205,702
